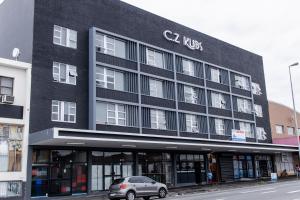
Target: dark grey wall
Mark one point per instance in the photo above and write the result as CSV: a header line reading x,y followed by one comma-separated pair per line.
x,y
16,28
123,19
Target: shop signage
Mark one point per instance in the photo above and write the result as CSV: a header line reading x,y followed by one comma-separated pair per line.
x,y
238,135
274,177
186,41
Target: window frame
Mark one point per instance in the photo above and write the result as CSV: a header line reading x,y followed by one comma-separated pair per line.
x,y
241,82
244,105
218,101
160,122
258,110
71,37
190,94
7,87
116,111
290,128
106,43
281,127
188,69
220,126
70,75
105,76
154,85
244,127
192,124
60,105
154,61
215,74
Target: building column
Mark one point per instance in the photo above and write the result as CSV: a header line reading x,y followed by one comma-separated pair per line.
x,y
27,190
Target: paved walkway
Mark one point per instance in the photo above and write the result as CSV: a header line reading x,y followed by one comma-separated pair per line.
x,y
175,192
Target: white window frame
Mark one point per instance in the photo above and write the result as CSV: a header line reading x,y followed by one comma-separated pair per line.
x,y
281,129
189,68
241,82
190,95
215,75
191,123
289,129
117,111
218,100
245,126
244,105
258,110
105,76
71,73
158,119
220,126
150,53
61,112
71,37
154,84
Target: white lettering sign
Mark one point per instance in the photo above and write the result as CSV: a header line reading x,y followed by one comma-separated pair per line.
x,y
188,42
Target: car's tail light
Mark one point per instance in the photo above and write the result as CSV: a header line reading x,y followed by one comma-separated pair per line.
x,y
123,186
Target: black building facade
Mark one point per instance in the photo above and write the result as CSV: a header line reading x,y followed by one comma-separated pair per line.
x,y
118,91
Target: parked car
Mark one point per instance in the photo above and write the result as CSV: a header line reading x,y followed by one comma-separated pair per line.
x,y
132,187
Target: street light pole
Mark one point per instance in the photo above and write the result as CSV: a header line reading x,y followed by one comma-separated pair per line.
x,y
294,106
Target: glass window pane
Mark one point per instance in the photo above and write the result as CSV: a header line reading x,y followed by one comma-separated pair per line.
x,y
120,48
159,60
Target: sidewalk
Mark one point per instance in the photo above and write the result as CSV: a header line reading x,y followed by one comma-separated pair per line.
x,y
189,190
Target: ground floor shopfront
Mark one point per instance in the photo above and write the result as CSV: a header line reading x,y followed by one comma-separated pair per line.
x,y
61,171
64,165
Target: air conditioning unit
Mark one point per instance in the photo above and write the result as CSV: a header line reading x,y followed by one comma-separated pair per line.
x,y
7,99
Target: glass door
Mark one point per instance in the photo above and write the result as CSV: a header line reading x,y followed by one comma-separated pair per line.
x,y
111,172
79,178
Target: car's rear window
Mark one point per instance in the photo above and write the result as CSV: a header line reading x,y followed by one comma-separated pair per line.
x,y
118,181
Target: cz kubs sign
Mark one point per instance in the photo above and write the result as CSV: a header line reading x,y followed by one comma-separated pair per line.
x,y
238,135
186,41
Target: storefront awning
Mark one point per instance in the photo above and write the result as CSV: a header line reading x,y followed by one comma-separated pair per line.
x,y
101,139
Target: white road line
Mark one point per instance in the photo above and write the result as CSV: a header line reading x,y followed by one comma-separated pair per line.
x,y
295,191
268,192
259,190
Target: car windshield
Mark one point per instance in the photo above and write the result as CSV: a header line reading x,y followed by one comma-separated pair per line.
x,y
118,181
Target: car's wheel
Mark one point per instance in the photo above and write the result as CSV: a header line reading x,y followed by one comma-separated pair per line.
x,y
146,198
130,195
162,193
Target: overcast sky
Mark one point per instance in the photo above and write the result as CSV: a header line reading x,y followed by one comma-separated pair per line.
x,y
270,28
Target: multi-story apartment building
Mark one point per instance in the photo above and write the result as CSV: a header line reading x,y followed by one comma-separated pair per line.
x,y
118,91
15,85
284,132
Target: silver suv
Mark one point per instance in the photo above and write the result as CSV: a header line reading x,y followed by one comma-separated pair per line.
x,y
136,186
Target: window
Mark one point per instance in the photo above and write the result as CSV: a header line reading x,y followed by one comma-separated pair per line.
x,y
64,73
156,88
244,105
215,75
65,37
63,111
105,78
258,110
220,126
242,82
10,189
190,95
6,86
290,130
244,126
256,89
279,129
188,67
192,123
155,58
110,45
116,114
218,100
11,139
158,119
261,133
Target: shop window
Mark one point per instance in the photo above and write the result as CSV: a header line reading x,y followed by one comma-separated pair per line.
x,y
10,189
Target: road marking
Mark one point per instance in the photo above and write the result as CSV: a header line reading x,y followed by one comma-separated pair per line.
x,y
219,199
295,191
259,190
268,192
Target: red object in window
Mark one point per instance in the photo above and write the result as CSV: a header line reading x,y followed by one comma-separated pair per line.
x,y
83,188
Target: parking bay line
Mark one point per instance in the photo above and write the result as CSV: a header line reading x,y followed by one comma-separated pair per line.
x,y
295,191
259,190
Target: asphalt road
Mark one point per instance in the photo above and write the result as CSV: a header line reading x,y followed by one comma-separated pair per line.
x,y
278,191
